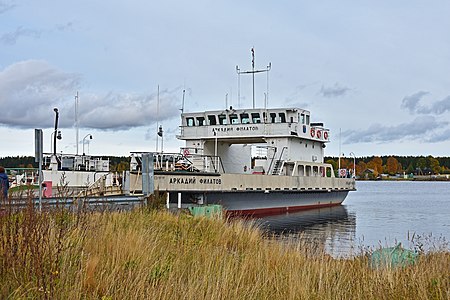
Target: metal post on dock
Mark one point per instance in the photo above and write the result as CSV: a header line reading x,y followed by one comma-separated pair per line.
x,y
179,200
147,174
126,182
38,152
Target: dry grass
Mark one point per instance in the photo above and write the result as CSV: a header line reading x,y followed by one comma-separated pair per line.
x,y
157,255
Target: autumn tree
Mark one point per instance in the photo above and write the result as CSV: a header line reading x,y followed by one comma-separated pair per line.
x,y
123,166
333,163
376,164
346,163
361,166
392,165
433,163
422,164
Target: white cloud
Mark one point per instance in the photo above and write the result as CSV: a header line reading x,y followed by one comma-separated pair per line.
x,y
29,90
421,129
333,91
437,108
126,110
411,102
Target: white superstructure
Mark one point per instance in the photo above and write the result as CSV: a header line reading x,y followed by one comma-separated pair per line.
x,y
261,141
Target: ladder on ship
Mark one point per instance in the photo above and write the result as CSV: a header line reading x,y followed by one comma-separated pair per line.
x,y
278,167
279,164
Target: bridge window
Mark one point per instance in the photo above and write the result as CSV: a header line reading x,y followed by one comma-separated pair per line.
x,y
190,122
282,117
212,120
222,119
302,118
245,118
307,119
201,121
256,118
234,119
273,117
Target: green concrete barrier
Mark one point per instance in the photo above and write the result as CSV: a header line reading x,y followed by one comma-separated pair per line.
x,y
213,210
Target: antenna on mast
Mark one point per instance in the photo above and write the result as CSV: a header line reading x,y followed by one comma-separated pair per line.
x,y
182,102
253,72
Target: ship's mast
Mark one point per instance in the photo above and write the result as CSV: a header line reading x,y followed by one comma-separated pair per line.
x,y
182,102
253,72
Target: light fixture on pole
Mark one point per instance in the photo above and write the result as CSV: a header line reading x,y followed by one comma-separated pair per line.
x,y
90,137
160,134
56,129
58,136
354,164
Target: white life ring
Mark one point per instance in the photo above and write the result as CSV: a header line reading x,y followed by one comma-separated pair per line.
x,y
325,135
319,134
313,132
186,152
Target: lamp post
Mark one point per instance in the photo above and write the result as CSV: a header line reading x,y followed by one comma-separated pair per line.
x,y
354,164
90,137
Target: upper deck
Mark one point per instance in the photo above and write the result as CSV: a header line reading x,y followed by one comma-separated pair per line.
x,y
252,125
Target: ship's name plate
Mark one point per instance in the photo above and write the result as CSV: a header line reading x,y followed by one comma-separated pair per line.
x,y
237,128
194,180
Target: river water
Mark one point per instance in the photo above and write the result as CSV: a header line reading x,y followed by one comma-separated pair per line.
x,y
379,213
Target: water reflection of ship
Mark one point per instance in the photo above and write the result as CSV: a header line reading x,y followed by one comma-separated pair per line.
x,y
333,226
301,220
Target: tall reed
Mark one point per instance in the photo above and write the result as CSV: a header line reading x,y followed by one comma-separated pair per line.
x,y
151,254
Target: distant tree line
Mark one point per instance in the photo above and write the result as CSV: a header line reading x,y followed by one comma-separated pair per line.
x,y
18,162
420,165
376,165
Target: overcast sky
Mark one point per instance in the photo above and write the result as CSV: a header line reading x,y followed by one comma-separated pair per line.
x,y
376,70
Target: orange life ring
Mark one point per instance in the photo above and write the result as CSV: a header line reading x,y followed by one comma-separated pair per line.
x,y
325,135
186,152
319,134
313,132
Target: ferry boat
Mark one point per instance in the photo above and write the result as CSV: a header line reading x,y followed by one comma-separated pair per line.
x,y
255,161
250,161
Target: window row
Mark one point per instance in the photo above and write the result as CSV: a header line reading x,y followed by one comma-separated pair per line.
x,y
244,118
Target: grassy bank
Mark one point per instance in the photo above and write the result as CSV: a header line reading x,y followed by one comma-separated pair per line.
x,y
157,255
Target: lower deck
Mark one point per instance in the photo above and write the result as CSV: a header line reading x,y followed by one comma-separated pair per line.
x,y
219,182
